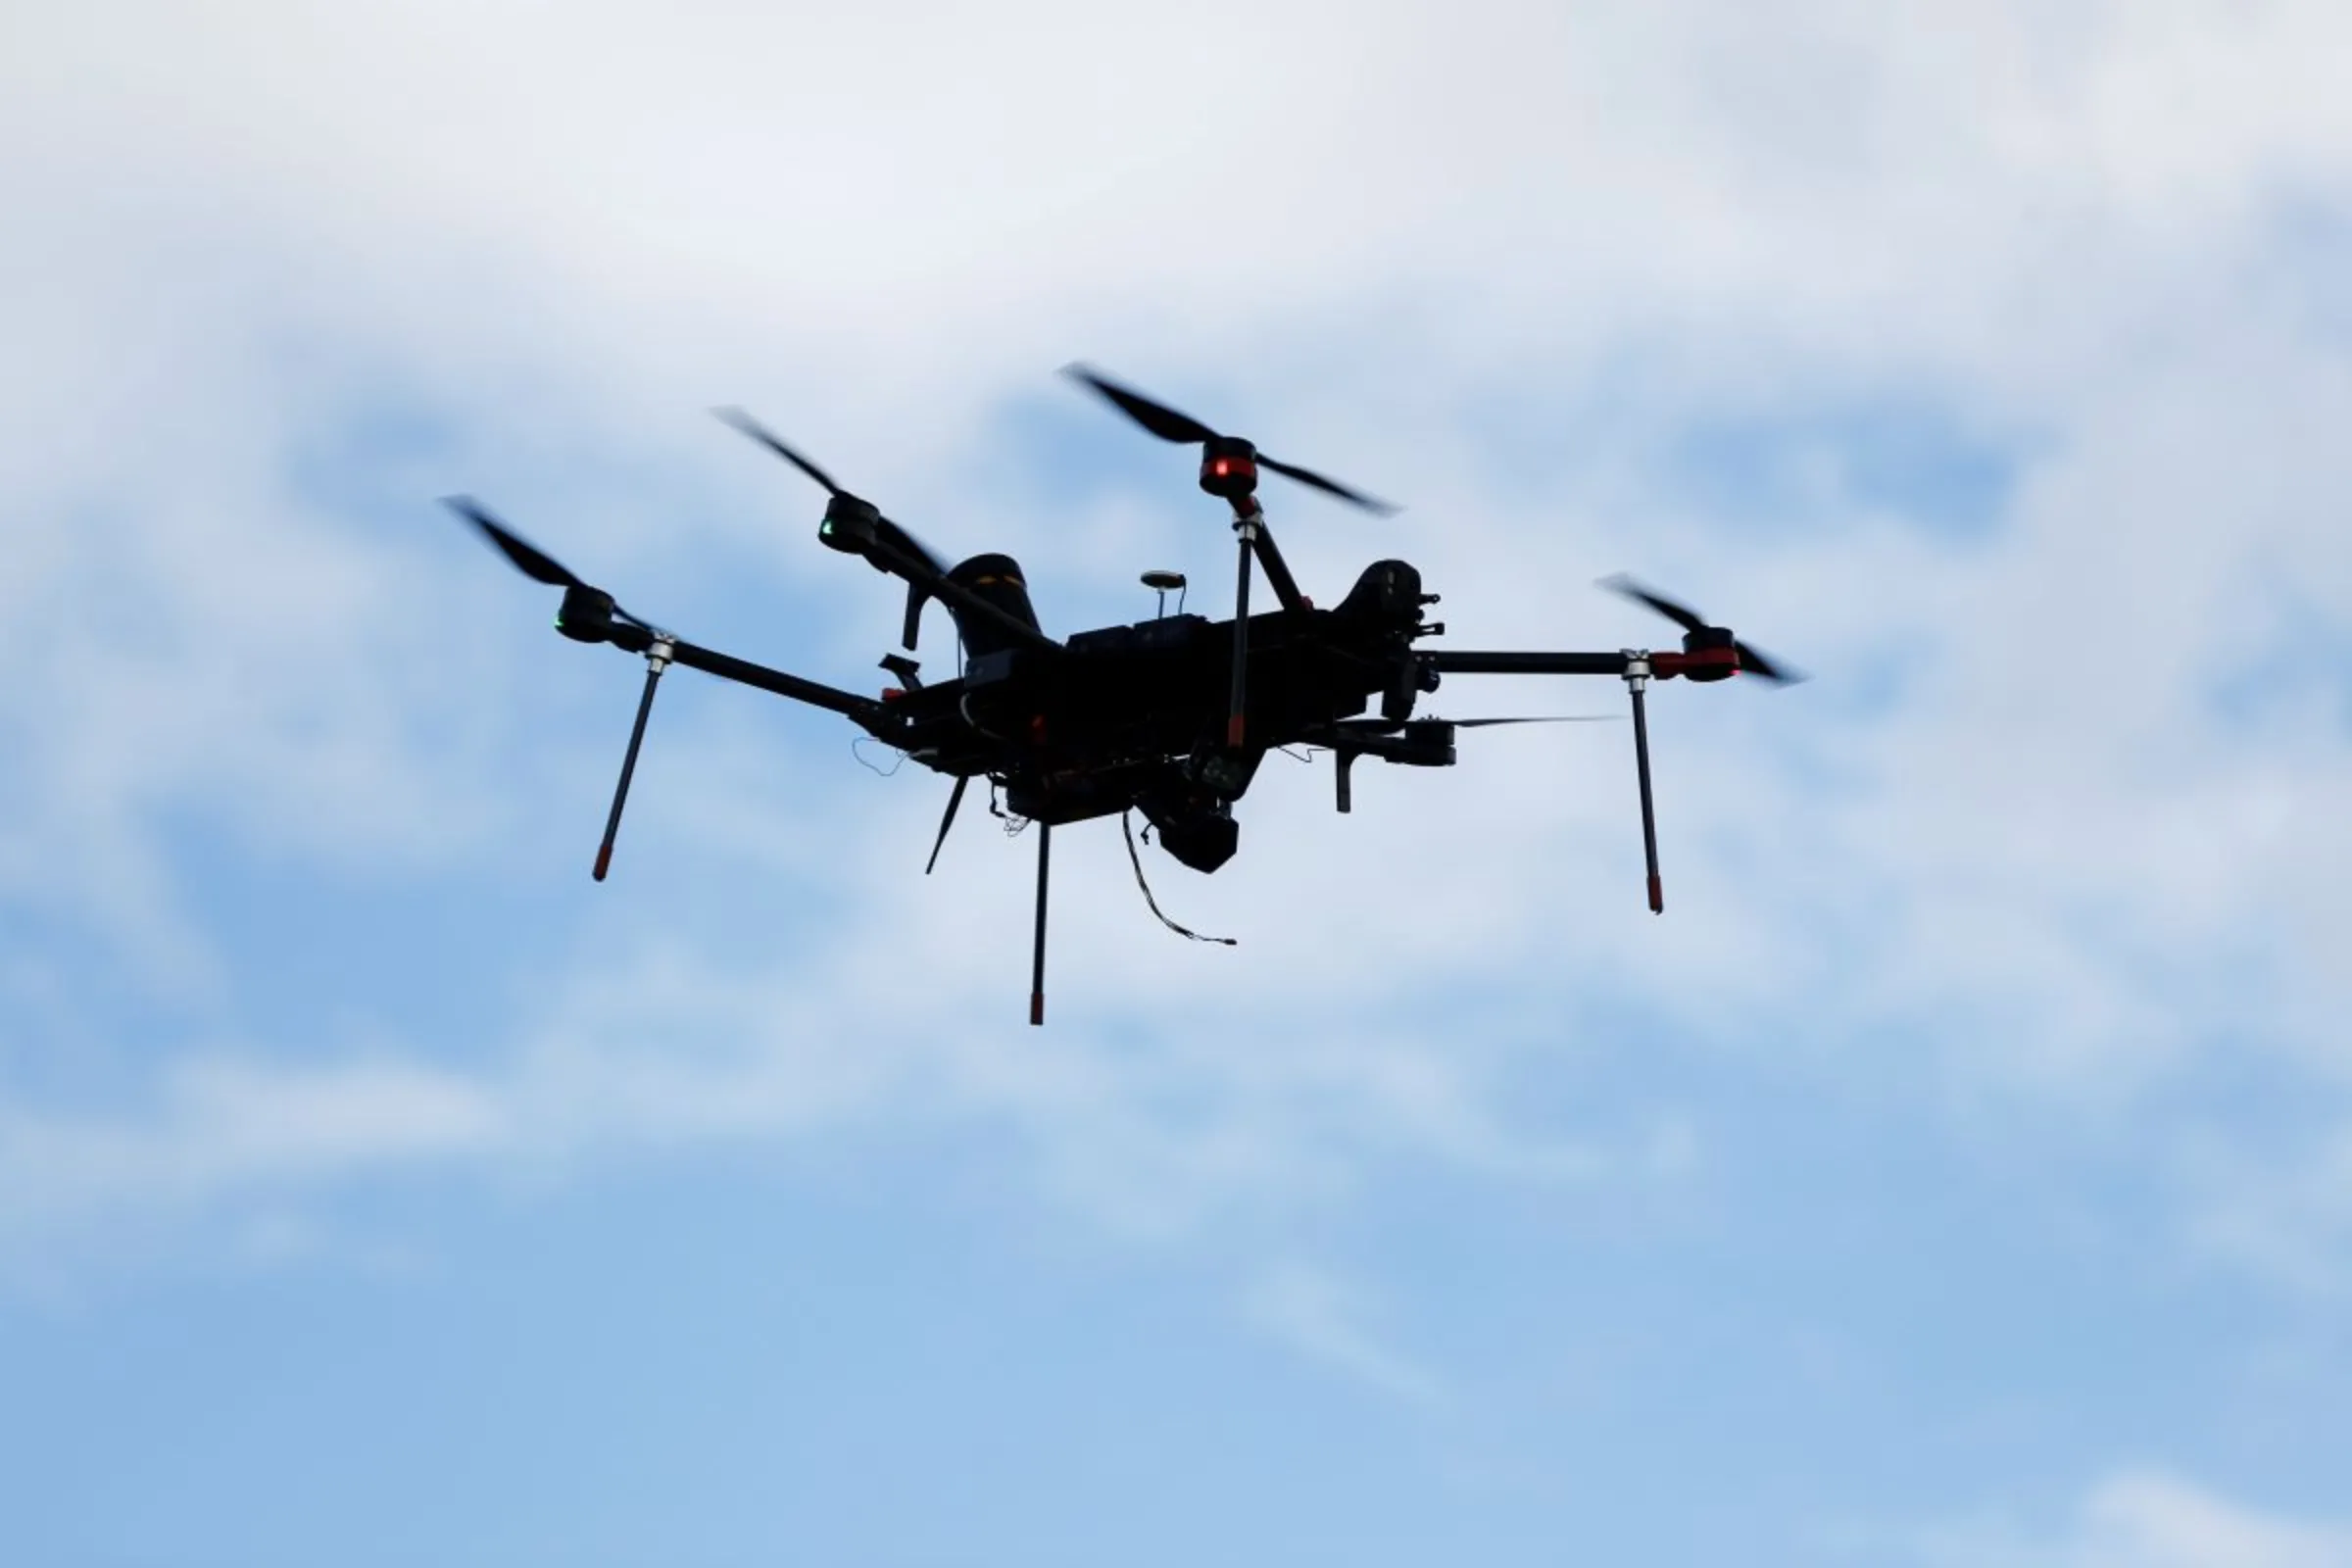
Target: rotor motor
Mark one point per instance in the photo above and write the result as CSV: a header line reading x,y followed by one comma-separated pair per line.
x,y
1708,639
586,615
850,525
1229,469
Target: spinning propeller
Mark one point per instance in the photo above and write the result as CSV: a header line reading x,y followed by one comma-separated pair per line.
x,y
1416,742
1225,457
855,526
1698,634
1698,639
529,559
1229,466
587,615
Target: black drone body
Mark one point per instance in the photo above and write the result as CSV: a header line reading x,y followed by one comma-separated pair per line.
x,y
1170,717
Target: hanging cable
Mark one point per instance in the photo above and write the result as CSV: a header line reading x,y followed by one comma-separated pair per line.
x,y
1127,826
963,705
1012,824
857,743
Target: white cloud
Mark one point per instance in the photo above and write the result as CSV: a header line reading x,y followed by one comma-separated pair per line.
x,y
2285,1209
2149,1519
1315,1314
224,1127
258,230
1172,1132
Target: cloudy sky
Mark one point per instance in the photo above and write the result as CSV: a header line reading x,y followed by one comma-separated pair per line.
x,y
1959,1173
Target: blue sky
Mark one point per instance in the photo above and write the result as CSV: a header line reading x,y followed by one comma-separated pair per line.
x,y
1959,1173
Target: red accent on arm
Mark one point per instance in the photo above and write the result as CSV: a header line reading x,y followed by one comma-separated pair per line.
x,y
1668,666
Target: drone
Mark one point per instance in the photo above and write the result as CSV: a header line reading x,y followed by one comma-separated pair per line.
x,y
1169,717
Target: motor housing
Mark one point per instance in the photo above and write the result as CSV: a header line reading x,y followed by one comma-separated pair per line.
x,y
1707,639
586,615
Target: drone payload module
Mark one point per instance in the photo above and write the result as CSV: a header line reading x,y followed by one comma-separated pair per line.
x,y
1170,717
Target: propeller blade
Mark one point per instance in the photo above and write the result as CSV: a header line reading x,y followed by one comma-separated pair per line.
x,y
904,538
1552,718
1687,620
1169,425
1753,662
1330,487
761,433
955,799
1158,417
891,534
529,559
